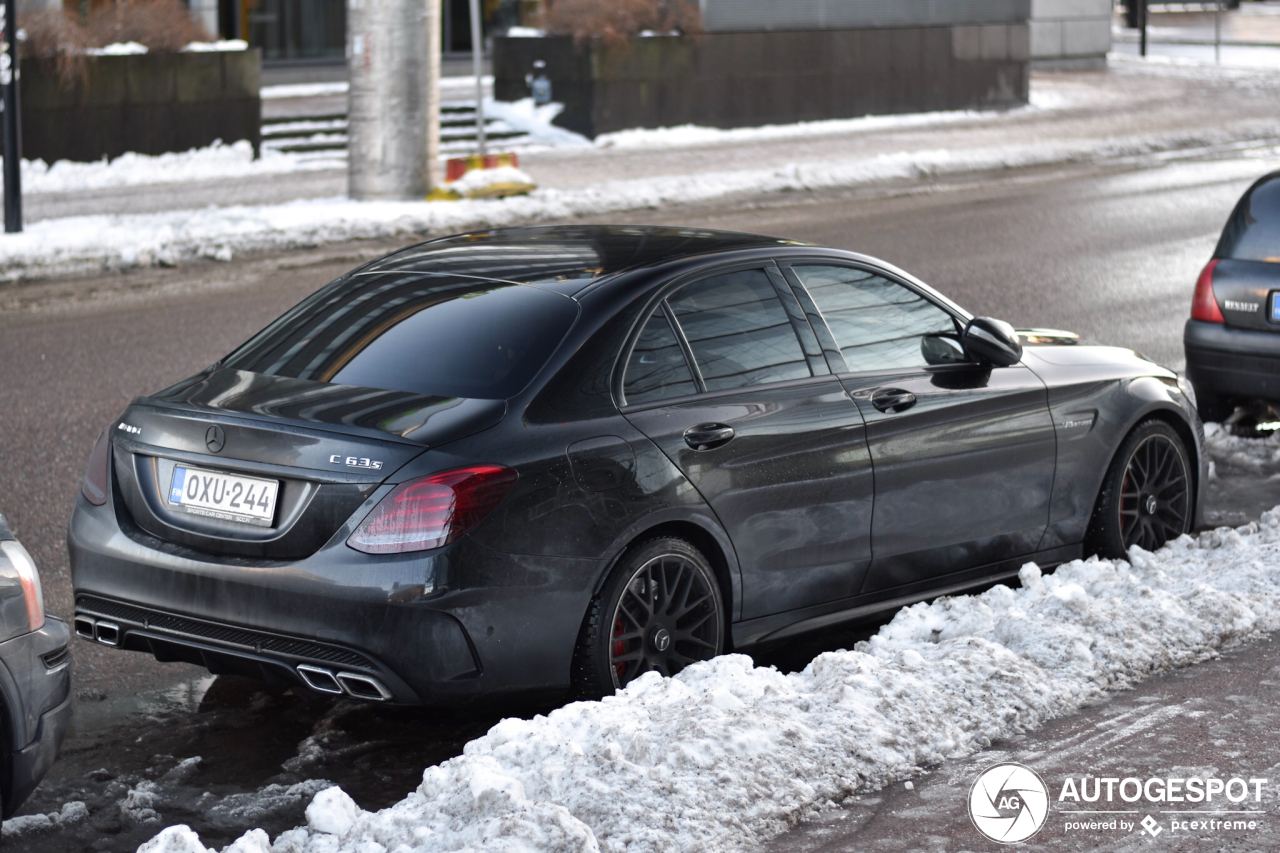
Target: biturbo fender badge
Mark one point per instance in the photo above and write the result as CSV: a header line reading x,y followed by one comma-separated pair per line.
x,y
1076,424
356,462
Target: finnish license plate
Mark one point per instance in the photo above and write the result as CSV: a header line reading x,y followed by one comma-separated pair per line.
x,y
230,497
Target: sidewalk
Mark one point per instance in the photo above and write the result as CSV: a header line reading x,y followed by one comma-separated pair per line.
x,y
1131,109
1214,718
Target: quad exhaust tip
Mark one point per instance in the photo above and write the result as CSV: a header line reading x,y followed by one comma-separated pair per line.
x,y
319,680
363,687
107,633
352,684
84,627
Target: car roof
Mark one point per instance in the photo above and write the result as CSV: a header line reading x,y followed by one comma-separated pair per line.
x,y
562,258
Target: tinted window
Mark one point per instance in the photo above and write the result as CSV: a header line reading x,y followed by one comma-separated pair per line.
x,y
877,323
657,368
1253,231
738,331
435,335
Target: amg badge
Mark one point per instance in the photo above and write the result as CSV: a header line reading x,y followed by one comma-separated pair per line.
x,y
356,462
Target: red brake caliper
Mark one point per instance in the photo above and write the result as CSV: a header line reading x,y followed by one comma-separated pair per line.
x,y
619,649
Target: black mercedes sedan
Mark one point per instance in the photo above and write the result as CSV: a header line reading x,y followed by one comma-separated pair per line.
x,y
1233,337
35,676
553,459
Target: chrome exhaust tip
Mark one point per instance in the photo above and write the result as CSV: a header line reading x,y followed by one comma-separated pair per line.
x,y
107,633
363,687
319,679
84,627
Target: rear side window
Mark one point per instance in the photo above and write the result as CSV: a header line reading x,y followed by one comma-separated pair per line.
x,y
657,368
1253,231
877,323
432,335
739,331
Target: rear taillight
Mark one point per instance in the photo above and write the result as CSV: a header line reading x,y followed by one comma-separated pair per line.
x,y
29,578
1203,305
95,478
432,511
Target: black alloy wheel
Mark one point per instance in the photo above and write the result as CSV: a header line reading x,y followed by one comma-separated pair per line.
x,y
1146,498
660,611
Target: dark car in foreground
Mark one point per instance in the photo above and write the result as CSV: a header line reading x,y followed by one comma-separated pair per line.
x,y
552,459
1233,337
35,676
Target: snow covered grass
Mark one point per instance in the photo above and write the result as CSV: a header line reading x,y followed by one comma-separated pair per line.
x,y
726,754
86,244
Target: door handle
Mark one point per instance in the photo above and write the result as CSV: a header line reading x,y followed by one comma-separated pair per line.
x,y
708,436
893,400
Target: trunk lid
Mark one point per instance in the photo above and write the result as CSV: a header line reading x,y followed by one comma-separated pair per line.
x,y
326,447
1245,293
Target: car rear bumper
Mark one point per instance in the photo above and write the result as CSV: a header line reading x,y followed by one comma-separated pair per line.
x,y
1232,362
36,681
438,627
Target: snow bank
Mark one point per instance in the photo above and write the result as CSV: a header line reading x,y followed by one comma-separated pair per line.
x,y
725,754
213,162
86,244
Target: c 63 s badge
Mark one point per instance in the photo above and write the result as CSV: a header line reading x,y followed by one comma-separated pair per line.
x,y
356,462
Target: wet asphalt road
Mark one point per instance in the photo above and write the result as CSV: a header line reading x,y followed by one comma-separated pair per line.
x,y
1110,252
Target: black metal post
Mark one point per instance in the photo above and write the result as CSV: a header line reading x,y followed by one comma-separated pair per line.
x,y
12,119
1142,13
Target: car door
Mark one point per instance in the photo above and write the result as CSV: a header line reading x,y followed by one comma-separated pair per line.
x,y
964,454
726,377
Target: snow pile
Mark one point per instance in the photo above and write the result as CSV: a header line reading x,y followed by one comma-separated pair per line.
x,y
86,244
69,815
481,183
216,46
212,162
684,136
1252,455
535,121
725,754
120,48
130,48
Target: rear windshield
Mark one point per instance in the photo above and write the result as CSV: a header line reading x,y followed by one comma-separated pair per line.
x,y
1253,231
444,336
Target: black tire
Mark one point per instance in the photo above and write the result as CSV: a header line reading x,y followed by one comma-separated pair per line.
x,y
1212,407
661,586
1146,496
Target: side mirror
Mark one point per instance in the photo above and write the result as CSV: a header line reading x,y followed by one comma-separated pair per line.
x,y
992,342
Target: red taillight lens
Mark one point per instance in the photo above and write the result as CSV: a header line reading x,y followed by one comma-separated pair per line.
x,y
95,478
432,511
1203,305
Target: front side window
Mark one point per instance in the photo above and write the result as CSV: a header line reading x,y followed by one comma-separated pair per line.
x,y
657,368
739,331
878,324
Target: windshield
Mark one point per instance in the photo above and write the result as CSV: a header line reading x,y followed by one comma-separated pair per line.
x,y
447,335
